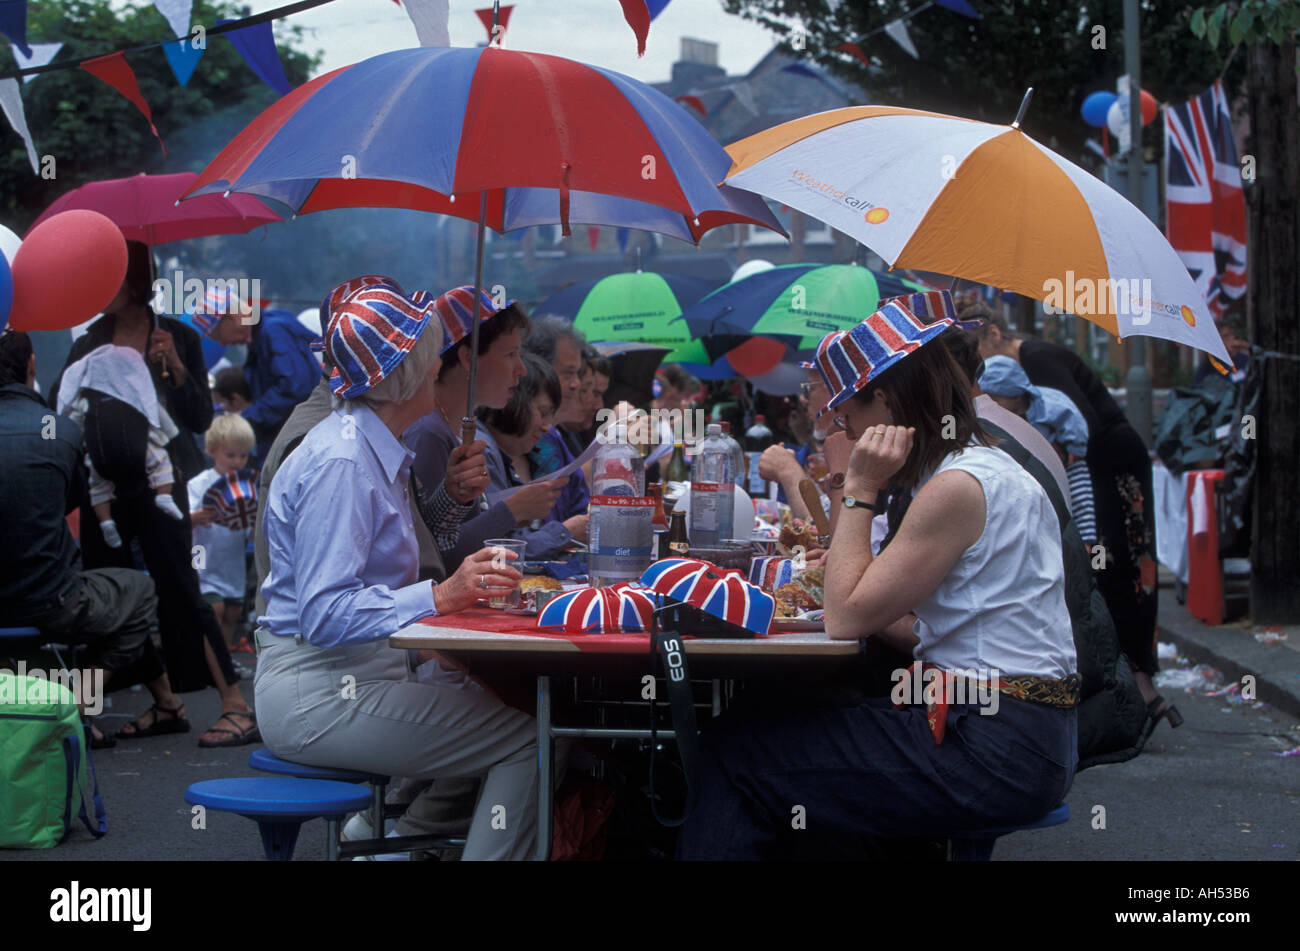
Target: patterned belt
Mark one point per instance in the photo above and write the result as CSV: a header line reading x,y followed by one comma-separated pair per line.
x,y
1062,693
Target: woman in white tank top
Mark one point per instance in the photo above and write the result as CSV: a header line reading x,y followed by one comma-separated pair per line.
x,y
981,732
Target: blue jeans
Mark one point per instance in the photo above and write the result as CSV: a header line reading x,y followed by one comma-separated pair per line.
x,y
823,774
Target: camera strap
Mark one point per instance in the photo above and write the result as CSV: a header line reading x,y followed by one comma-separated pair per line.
x,y
668,657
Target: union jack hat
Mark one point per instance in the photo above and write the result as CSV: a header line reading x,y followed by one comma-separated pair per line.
x,y
619,608
456,309
720,592
337,295
370,332
934,305
850,359
219,301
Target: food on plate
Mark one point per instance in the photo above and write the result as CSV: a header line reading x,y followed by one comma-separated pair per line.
x,y
799,532
804,593
540,583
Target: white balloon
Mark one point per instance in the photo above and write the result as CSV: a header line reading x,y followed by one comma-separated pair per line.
x,y
1117,116
751,267
743,509
310,318
9,244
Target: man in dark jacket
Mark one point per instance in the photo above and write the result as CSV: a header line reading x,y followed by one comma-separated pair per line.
x,y
112,610
281,370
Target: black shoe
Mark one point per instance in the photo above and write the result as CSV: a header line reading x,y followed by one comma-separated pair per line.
x,y
105,742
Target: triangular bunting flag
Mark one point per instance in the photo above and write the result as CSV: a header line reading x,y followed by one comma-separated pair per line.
x,y
593,236
485,16
959,6
656,7
116,71
622,234
13,23
41,53
638,18
11,101
745,96
182,57
855,50
177,15
695,102
256,44
897,31
430,19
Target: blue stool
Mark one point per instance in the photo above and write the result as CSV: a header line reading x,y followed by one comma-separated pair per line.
x,y
266,761
977,846
20,638
280,805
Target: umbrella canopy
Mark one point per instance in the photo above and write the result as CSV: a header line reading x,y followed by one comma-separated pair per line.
x,y
543,139
720,592
633,367
797,304
640,306
999,208
620,608
145,208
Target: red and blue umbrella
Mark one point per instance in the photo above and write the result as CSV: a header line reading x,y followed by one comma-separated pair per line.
x,y
543,139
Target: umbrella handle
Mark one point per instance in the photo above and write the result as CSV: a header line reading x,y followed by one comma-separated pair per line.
x,y
468,427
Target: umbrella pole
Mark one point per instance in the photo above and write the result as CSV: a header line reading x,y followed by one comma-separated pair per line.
x,y
467,425
153,315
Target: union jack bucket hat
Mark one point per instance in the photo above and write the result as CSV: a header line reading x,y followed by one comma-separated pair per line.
x,y
850,359
218,302
370,332
337,295
456,309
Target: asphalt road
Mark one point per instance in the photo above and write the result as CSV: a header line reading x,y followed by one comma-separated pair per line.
x,y
1215,789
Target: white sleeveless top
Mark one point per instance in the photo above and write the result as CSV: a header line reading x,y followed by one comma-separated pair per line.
x,y
1002,606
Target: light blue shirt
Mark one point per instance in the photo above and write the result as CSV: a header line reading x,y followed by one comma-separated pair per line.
x,y
342,546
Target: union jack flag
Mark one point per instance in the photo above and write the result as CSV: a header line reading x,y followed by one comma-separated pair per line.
x,y
1205,209
619,608
234,496
720,592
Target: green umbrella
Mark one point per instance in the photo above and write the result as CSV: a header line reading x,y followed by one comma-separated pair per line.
x,y
640,307
796,303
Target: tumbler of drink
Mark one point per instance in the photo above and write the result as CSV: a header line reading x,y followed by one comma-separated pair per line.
x,y
499,547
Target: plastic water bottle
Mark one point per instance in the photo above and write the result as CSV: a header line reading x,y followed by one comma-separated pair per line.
x,y
712,495
757,438
620,533
737,454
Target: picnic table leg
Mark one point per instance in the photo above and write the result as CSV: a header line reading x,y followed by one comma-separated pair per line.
x,y
545,791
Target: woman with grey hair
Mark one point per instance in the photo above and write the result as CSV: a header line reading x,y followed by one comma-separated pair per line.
x,y
343,565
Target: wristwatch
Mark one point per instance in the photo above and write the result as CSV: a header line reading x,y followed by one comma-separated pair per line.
x,y
850,503
837,480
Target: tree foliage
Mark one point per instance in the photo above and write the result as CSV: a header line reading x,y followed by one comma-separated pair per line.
x,y
981,68
90,129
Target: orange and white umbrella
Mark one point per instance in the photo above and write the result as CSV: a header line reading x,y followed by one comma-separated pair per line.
x,y
985,203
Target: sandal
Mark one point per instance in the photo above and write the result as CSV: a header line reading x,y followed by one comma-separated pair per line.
x,y
159,727
237,736
102,742
1157,710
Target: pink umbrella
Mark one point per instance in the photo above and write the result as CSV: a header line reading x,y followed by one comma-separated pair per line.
x,y
145,208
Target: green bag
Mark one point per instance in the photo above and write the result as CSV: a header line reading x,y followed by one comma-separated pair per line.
x,y
43,765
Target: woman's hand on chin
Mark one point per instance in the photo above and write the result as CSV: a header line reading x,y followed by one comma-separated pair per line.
x,y
477,577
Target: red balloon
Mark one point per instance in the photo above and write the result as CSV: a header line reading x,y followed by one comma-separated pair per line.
x,y
67,270
1149,107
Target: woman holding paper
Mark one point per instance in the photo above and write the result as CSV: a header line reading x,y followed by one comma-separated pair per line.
x,y
511,433
460,525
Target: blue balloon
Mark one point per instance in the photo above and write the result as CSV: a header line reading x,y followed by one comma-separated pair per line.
x,y
1095,107
6,291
